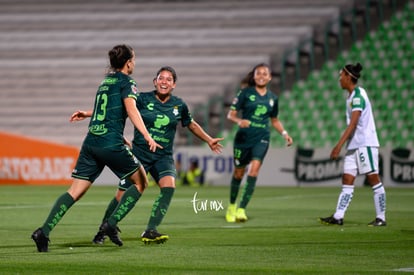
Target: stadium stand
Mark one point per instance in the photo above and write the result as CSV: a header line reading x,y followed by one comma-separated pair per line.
x,y
387,57
53,54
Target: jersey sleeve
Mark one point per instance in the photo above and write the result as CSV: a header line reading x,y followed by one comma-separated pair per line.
x,y
275,108
186,117
129,88
139,101
357,103
237,101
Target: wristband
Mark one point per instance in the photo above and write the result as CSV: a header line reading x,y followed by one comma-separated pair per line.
x,y
284,133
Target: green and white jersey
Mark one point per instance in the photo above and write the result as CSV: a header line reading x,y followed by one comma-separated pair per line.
x,y
365,133
106,127
258,109
161,120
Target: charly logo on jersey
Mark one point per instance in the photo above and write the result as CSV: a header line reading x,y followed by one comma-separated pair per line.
x,y
161,120
252,98
150,106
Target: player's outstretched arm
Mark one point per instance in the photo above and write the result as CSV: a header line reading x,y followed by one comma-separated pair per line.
x,y
213,143
80,115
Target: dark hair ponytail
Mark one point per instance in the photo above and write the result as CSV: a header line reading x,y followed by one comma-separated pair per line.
x,y
354,71
119,55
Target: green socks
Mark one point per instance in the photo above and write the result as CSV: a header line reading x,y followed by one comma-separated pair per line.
x,y
234,190
248,191
127,202
129,199
160,207
110,209
61,206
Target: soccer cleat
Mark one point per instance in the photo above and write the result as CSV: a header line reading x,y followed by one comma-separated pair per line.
x,y
231,213
241,215
42,242
99,238
331,221
111,232
378,222
151,236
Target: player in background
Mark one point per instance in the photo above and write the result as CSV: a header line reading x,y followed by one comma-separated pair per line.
x,y
161,112
259,108
362,148
104,146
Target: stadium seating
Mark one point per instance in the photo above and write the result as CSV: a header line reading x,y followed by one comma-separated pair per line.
x,y
53,53
314,109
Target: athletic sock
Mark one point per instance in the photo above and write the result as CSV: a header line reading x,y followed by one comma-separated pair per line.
x,y
234,189
127,202
248,191
344,200
160,207
61,206
110,209
379,200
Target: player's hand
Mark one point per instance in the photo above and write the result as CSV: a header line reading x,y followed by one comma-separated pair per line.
x,y
244,123
289,140
152,144
128,143
215,145
335,152
78,116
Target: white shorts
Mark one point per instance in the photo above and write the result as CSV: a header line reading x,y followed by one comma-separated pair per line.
x,y
363,160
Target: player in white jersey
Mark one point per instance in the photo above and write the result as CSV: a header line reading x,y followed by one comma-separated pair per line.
x,y
362,149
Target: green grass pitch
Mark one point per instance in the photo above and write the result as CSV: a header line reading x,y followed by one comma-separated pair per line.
x,y
282,236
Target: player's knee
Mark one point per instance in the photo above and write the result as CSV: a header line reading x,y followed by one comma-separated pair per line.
x,y
238,173
373,178
348,177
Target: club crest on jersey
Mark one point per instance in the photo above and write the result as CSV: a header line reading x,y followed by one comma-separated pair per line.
x,y
235,100
134,89
175,110
271,102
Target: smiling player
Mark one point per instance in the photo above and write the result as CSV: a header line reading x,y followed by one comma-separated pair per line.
x,y
161,112
259,108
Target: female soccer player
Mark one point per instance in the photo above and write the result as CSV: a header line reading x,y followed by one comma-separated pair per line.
x,y
258,105
161,112
104,145
362,148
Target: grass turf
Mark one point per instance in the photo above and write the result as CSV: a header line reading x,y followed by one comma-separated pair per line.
x,y
282,236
